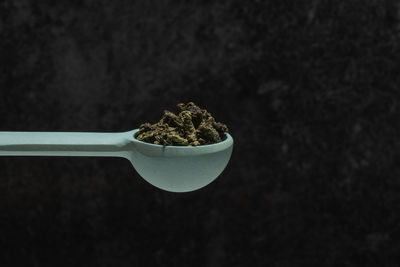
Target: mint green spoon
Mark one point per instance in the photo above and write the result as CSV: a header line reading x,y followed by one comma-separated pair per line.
x,y
171,168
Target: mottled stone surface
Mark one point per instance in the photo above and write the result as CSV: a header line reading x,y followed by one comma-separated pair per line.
x,y
309,89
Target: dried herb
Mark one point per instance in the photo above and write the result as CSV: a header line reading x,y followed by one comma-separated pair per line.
x,y
192,126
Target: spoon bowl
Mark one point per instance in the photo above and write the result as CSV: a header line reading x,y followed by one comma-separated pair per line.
x,y
180,168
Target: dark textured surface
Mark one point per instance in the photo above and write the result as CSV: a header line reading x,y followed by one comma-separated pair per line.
x,y
309,89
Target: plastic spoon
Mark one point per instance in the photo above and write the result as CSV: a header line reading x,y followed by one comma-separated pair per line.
x,y
171,168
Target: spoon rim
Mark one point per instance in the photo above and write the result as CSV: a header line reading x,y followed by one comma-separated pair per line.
x,y
149,148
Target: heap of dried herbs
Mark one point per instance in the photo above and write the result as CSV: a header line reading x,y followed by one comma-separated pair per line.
x,y
192,126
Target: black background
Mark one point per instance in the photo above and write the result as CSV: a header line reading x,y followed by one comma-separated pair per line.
x,y
309,89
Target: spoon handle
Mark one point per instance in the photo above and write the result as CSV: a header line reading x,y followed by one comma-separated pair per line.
x,y
62,144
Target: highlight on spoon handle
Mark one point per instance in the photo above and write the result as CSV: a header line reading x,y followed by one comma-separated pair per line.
x,y
62,144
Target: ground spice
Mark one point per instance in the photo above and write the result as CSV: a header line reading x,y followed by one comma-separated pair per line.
x,y
192,126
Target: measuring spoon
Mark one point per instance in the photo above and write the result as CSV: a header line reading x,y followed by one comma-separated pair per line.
x,y
171,168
